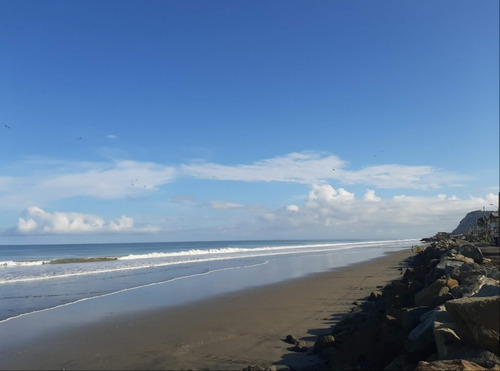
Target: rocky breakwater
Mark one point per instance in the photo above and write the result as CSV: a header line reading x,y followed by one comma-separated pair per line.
x,y
442,315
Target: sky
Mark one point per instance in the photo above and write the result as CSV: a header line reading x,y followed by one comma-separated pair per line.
x,y
151,121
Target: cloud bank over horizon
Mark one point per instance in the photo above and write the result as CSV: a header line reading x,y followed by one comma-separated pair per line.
x,y
324,209
37,221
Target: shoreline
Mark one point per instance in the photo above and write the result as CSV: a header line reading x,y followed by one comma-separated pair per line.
x,y
230,331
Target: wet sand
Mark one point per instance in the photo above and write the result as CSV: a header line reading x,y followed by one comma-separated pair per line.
x,y
229,332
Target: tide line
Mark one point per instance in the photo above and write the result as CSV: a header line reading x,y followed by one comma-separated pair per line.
x,y
131,289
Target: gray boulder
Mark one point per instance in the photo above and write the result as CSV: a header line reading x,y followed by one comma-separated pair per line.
x,y
465,270
446,338
469,286
300,346
422,336
478,317
433,295
489,288
472,252
410,317
447,266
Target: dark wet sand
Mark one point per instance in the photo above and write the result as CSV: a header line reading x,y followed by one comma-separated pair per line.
x,y
229,332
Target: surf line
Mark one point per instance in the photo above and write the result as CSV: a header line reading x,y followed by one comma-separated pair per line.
x,y
133,288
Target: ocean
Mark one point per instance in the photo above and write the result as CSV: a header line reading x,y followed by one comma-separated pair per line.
x,y
120,278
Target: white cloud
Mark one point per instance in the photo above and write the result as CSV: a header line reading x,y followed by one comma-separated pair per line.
x,y
112,181
337,212
57,180
37,221
399,176
48,180
370,196
315,168
223,205
303,167
111,136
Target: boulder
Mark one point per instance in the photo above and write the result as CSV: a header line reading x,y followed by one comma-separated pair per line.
x,y
290,339
489,288
472,252
433,295
469,286
465,270
451,283
492,272
479,318
480,356
325,346
400,363
449,365
421,338
410,317
300,346
447,266
446,338
260,368
457,257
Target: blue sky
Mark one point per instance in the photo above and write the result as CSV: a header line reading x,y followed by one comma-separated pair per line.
x,y
213,120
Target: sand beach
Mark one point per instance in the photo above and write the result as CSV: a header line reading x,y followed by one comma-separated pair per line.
x,y
228,332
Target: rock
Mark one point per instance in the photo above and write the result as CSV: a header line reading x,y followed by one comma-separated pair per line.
x,y
480,356
391,320
471,251
376,295
449,365
259,368
400,294
454,256
421,338
447,266
290,339
446,338
451,283
324,341
300,346
479,316
492,272
489,288
410,317
469,286
466,270
433,295
400,364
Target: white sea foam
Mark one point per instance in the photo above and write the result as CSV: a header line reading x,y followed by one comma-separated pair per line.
x,y
11,263
163,259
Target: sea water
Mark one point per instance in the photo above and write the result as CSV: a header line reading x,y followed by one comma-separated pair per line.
x,y
40,277
45,286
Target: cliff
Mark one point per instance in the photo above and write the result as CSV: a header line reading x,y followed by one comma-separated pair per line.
x,y
469,223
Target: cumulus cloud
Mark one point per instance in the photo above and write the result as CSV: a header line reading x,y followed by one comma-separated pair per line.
x,y
38,221
330,211
370,196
